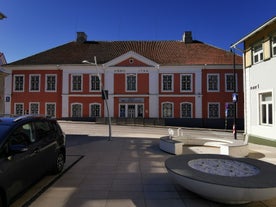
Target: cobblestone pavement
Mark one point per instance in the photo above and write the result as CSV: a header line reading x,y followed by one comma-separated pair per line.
x,y
129,171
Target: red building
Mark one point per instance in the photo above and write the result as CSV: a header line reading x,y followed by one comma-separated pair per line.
x,y
186,82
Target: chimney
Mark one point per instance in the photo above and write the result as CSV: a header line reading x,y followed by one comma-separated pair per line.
x,y
187,37
81,37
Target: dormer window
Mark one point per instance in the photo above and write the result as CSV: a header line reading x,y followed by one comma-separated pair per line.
x,y
258,53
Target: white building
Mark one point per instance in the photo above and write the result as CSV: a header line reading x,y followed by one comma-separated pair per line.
x,y
260,82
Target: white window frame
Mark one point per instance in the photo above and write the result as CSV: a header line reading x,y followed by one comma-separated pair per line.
x,y
259,53
131,75
191,82
46,82
236,80
172,84
46,109
90,83
72,83
228,114
267,114
216,103
181,112
95,104
218,82
172,112
38,107
81,113
14,83
30,82
15,106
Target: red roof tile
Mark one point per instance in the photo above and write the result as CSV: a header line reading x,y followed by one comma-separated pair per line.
x,y
162,52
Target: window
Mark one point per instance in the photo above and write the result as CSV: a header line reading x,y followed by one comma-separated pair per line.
x,y
186,82
19,108
51,82
95,110
94,83
213,110
167,83
18,84
230,110
230,82
266,109
51,109
131,110
131,82
34,108
186,110
273,44
258,54
213,83
167,110
76,83
34,82
76,110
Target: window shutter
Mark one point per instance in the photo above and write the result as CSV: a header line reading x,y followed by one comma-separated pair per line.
x,y
248,58
266,46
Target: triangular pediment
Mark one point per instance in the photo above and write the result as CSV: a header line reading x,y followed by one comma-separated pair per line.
x,y
131,59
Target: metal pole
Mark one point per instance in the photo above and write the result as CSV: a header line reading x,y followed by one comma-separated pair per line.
x,y
235,102
105,100
104,94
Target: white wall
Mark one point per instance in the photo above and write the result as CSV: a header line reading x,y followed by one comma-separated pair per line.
x,y
260,78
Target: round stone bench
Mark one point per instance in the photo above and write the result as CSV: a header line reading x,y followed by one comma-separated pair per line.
x,y
223,178
174,145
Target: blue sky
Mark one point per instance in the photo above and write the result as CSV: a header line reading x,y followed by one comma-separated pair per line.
x,y
34,26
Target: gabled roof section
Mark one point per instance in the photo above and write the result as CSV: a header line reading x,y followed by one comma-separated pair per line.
x,y
131,55
171,53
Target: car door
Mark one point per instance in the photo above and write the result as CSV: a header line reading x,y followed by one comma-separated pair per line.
x,y
16,160
46,143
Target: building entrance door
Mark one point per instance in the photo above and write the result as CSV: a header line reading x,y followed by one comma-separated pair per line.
x,y
131,111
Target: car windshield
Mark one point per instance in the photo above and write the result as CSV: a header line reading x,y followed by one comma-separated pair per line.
x,y
3,130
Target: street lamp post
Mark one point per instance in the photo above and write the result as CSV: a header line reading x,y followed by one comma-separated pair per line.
x,y
234,96
103,93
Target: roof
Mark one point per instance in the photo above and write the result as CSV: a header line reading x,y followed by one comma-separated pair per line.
x,y
273,19
162,52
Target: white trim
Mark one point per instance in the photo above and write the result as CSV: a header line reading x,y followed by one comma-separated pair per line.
x,y
162,105
136,80
14,84
76,103
131,54
14,107
38,107
162,82
225,82
71,86
46,76
30,82
48,103
192,109
95,103
90,83
209,103
186,74
213,74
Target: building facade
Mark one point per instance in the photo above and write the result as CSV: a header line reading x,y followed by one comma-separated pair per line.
x,y
2,84
186,81
259,77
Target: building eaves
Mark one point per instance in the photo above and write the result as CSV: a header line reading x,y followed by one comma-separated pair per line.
x,y
273,19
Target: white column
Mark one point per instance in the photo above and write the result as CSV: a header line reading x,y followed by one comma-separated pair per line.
x,y
7,93
198,94
65,93
153,93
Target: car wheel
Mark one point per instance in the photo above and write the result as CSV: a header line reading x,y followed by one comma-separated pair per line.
x,y
59,163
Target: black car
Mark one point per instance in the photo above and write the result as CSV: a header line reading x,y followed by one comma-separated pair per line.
x,y
30,147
